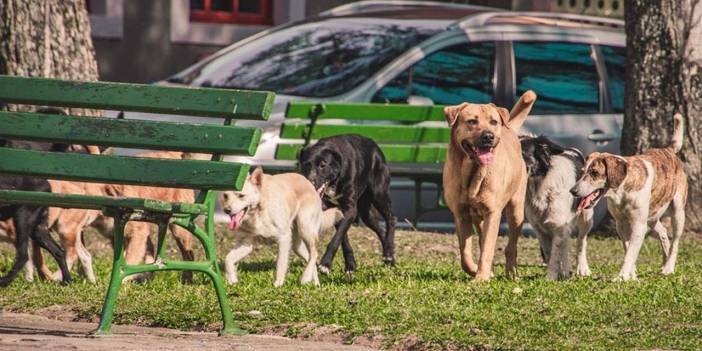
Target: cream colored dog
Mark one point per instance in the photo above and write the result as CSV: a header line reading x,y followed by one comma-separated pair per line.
x,y
283,207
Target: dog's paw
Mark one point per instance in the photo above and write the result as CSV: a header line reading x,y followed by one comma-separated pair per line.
x,y
583,271
324,269
389,261
232,279
278,283
667,270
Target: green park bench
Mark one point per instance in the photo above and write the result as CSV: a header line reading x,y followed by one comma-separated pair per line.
x,y
413,149
202,175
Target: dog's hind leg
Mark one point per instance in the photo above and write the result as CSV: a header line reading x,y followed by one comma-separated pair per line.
x,y
584,225
242,248
678,225
662,235
371,217
300,248
138,235
281,269
185,244
381,201
305,244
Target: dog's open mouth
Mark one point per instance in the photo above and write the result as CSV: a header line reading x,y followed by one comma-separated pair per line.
x,y
590,200
236,219
484,154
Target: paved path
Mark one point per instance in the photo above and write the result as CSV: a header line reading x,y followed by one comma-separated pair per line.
x,y
19,332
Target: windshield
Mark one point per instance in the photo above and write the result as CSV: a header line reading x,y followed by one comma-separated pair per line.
x,y
318,59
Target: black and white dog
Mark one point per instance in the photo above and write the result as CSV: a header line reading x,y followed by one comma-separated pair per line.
x,y
349,172
550,208
30,221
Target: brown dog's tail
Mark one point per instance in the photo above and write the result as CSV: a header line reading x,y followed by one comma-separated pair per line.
x,y
521,110
330,217
677,133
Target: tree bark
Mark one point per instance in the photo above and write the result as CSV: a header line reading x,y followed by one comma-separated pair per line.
x,y
664,76
47,38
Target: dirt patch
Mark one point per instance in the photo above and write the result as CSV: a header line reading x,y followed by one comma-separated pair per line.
x,y
326,333
21,332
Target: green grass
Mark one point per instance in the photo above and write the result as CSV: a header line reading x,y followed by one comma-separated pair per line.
x,y
426,301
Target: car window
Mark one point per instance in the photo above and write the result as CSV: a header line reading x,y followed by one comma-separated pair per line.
x,y
449,76
563,75
615,58
317,59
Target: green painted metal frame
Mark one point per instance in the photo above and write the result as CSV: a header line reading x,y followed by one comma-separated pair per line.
x,y
402,142
144,98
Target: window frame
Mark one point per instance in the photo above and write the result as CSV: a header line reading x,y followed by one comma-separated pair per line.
x,y
207,15
603,96
497,94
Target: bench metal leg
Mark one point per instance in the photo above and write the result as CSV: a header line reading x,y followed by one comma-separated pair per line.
x,y
229,327
105,327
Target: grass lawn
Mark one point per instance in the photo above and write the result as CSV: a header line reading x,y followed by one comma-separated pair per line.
x,y
426,302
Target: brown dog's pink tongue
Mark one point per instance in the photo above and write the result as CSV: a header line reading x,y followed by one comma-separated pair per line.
x,y
586,201
485,155
235,220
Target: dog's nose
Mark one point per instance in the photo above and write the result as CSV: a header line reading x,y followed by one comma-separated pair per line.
x,y
487,138
574,192
227,210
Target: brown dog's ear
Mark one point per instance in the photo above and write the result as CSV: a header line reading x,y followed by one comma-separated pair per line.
x,y
504,115
256,177
451,113
616,171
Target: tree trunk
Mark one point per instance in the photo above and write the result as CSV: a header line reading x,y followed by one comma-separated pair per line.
x,y
47,38
664,76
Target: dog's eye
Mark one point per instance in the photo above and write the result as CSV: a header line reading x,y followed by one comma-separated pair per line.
x,y
225,196
493,122
240,195
472,122
593,173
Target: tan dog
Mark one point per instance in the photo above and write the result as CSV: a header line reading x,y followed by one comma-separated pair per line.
x,y
639,190
69,223
483,175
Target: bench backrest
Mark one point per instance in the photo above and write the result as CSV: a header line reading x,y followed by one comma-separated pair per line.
x,y
401,131
228,105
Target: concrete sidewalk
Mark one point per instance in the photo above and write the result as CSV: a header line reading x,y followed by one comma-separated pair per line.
x,y
20,332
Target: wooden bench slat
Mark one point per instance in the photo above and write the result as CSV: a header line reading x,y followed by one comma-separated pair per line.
x,y
155,135
205,102
360,111
39,198
393,153
191,174
379,133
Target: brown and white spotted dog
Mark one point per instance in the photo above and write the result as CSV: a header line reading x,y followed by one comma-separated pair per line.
x,y
639,190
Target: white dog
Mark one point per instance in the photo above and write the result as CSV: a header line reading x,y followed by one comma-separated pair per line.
x,y
550,208
283,207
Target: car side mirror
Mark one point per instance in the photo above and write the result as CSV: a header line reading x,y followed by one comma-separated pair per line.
x,y
419,100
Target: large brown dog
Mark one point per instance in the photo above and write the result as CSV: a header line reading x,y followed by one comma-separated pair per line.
x,y
483,175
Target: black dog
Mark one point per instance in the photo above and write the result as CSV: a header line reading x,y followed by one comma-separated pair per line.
x,y
349,171
30,221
